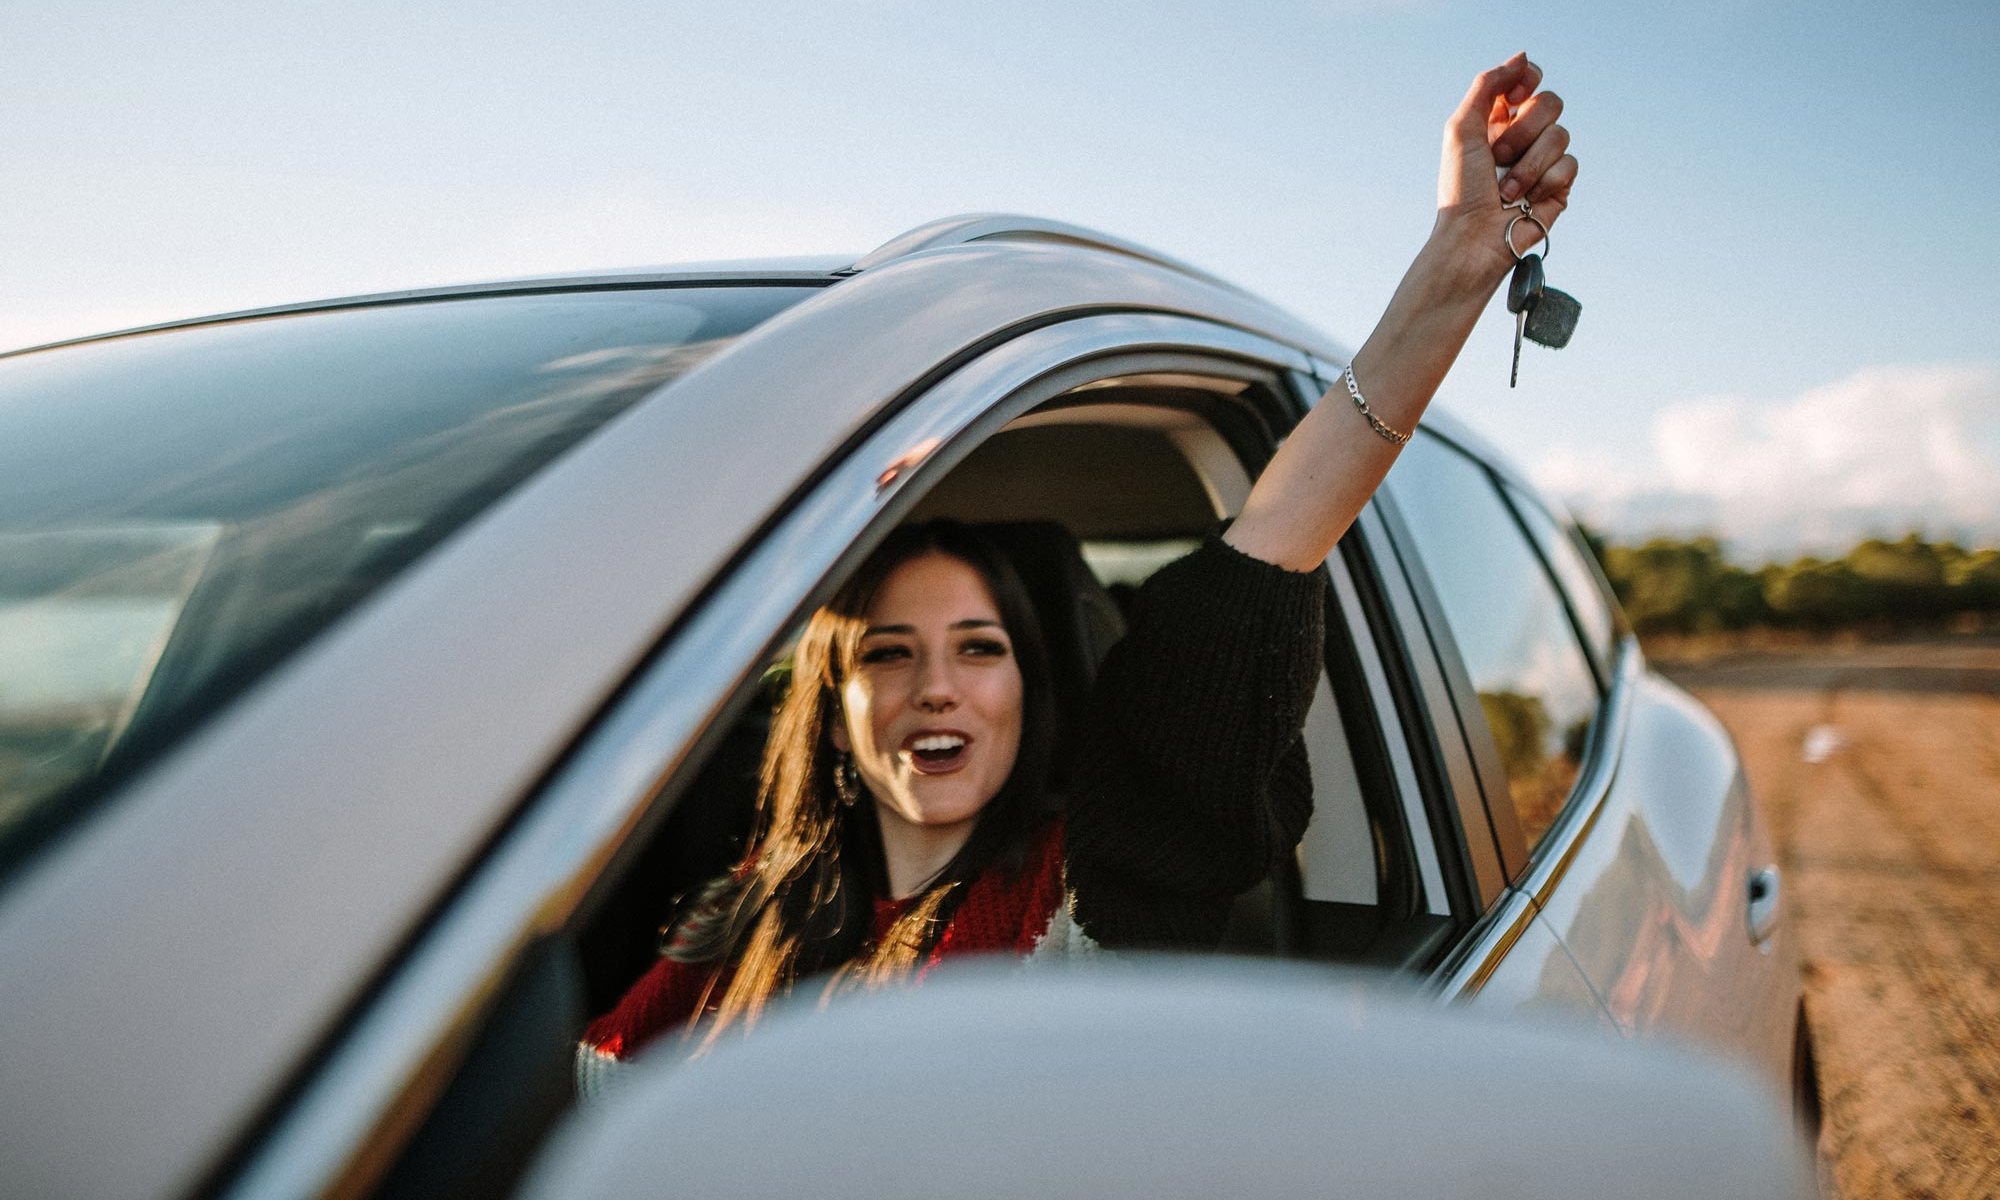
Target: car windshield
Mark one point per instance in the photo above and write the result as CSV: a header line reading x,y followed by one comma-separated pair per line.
x,y
181,510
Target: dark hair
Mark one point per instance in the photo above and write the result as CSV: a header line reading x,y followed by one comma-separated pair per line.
x,y
799,903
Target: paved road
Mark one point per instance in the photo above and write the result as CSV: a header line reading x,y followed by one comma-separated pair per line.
x,y
1880,766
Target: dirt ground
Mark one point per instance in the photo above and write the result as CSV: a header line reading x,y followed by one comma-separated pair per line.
x,y
1880,767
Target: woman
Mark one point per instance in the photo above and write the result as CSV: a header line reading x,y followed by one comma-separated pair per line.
x,y
904,817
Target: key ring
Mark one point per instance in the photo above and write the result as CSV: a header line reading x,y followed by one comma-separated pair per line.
x,y
1527,214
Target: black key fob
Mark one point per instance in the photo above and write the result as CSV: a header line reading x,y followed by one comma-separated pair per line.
x,y
1526,285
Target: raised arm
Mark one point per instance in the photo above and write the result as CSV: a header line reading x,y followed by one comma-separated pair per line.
x,y
1316,484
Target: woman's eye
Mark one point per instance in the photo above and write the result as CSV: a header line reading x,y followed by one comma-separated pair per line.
x,y
985,647
883,654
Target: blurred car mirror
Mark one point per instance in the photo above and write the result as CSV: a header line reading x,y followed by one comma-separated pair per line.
x,y
1173,1077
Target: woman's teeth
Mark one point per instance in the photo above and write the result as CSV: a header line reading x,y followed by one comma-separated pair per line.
x,y
937,753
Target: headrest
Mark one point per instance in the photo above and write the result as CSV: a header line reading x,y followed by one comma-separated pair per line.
x,y
1080,621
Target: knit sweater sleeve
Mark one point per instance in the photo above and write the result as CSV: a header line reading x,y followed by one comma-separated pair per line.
x,y
1190,780
664,999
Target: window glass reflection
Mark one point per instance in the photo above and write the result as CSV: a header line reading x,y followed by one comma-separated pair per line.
x,y
1520,649
180,511
1579,582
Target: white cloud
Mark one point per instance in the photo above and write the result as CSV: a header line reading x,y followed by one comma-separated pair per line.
x,y
1884,450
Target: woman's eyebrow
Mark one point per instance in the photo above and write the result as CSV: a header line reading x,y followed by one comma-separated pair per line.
x,y
968,623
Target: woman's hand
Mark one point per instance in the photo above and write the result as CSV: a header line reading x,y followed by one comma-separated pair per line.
x,y
1331,463
1502,122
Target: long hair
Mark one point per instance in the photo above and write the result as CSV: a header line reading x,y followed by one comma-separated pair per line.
x,y
799,903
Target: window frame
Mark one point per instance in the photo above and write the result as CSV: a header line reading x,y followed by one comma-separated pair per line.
x,y
377,1080
1503,885
1393,700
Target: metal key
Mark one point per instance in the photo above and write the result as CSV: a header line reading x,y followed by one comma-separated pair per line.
x,y
1524,295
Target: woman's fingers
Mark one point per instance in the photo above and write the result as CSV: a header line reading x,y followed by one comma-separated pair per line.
x,y
1551,191
1495,84
1534,162
1531,120
1550,198
1529,81
1466,174
1505,122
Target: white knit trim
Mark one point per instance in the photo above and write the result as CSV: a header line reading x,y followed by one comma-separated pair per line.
x,y
598,1072
1064,938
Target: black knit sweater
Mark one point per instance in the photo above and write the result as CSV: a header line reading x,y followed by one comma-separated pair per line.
x,y
1190,780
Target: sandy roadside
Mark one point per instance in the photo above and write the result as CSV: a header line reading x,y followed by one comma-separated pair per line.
x,y
1880,767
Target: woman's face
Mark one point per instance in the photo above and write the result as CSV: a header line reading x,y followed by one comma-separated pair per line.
x,y
932,707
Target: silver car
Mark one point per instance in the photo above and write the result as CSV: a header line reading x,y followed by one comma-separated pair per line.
x,y
375,672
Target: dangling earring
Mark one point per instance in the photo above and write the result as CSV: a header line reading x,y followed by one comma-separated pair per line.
x,y
844,783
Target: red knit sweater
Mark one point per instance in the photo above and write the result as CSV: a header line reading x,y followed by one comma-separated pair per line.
x,y
1004,912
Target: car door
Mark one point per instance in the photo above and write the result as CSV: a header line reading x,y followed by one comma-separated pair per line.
x,y
1670,894
1617,806
1521,693
1495,950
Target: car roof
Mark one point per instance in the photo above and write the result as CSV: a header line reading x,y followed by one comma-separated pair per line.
x,y
798,269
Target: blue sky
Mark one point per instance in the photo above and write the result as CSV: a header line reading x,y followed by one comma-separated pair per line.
x,y
1784,234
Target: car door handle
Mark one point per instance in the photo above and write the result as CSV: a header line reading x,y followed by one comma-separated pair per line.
x,y
1763,904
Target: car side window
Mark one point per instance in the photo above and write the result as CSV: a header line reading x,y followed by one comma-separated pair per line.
x,y
1535,685
1595,620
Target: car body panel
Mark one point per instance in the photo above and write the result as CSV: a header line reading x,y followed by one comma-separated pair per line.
x,y
1171,1079
1519,965
1653,899
1644,878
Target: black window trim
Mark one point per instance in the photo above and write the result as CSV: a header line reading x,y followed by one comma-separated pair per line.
x,y
1459,827
1461,711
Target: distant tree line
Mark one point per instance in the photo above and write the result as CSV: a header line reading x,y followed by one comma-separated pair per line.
x,y
1671,586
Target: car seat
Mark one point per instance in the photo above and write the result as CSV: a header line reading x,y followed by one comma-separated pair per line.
x,y
1080,621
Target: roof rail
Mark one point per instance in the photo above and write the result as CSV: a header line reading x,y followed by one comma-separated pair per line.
x,y
1013,227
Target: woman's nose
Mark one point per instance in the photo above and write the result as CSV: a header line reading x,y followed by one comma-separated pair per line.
x,y
937,691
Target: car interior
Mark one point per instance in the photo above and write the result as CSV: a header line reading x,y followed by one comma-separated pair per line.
x,y
1088,495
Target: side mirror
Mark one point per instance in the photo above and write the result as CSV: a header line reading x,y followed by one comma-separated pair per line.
x,y
1174,1077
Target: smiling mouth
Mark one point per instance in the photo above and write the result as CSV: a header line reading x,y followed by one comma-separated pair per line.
x,y
937,751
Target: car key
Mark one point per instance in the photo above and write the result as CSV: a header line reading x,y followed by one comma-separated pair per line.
x,y
1542,314
1551,320
1524,294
